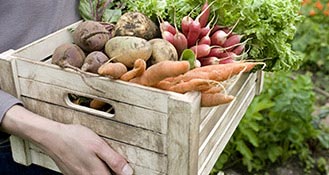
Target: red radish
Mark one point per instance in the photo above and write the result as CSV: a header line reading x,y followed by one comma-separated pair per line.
x,y
232,40
239,49
195,27
207,30
180,42
231,55
205,61
186,21
215,51
202,50
166,26
225,61
193,33
205,38
168,36
205,15
220,36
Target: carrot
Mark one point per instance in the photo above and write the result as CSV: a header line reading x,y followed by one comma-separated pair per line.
x,y
96,104
217,72
138,70
210,99
214,89
159,71
192,85
114,70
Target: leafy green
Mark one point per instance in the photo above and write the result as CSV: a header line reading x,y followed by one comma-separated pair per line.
x,y
99,10
277,125
270,23
189,56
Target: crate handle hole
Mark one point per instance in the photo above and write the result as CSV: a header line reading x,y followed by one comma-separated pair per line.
x,y
90,105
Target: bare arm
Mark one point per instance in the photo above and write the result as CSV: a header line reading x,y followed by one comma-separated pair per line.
x,y
75,148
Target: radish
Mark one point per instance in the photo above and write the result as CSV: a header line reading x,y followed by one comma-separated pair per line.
x,y
180,42
220,36
166,26
186,22
195,26
206,13
239,49
232,40
205,61
215,52
202,50
168,36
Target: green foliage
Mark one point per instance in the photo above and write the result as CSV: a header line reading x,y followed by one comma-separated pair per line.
x,y
276,126
312,40
270,24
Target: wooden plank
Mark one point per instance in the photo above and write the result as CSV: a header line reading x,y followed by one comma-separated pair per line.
x,y
220,145
44,47
137,156
222,132
107,128
216,115
130,93
183,134
41,159
7,82
124,113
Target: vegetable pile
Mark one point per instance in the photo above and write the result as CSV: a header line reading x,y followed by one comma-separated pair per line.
x,y
196,55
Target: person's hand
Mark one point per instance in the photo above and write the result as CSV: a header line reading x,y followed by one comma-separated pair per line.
x,y
78,150
74,148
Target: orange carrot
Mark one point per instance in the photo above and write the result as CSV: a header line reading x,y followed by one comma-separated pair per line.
x,y
213,90
218,72
159,71
138,70
96,104
114,70
183,87
214,99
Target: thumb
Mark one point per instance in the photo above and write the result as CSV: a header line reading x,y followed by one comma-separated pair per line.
x,y
115,161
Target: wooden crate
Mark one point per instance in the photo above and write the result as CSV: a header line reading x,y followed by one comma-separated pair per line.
x,y
159,132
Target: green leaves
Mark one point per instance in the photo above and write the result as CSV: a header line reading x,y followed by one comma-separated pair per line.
x,y
188,55
99,10
277,125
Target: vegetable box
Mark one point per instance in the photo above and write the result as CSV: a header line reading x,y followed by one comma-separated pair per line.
x,y
159,132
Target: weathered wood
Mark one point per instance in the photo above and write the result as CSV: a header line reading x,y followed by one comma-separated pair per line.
x,y
223,130
130,93
7,82
124,113
44,47
183,134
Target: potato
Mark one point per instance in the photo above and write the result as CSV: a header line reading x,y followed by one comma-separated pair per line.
x,y
91,36
162,50
127,49
136,24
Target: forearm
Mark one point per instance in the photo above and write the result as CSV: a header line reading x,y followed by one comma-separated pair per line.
x,y
25,124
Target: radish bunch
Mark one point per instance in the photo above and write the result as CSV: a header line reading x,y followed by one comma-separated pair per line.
x,y
211,43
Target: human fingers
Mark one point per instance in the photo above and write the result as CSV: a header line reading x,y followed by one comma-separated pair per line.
x,y
114,160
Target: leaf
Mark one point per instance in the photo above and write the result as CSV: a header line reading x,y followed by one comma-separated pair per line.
x,y
111,16
189,56
93,9
244,150
274,152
